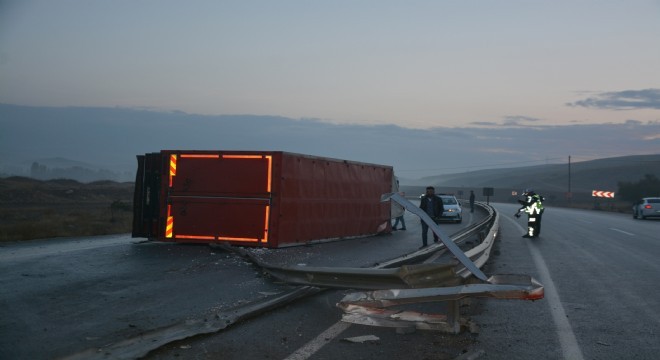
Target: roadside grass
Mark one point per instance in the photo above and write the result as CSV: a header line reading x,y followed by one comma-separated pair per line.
x,y
34,209
26,223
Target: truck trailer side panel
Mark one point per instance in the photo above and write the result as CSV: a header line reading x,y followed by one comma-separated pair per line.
x,y
324,199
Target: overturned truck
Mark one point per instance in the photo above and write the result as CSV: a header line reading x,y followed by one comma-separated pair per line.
x,y
258,198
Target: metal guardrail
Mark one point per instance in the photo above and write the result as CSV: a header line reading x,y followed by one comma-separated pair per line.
x,y
481,253
403,272
446,240
418,283
480,229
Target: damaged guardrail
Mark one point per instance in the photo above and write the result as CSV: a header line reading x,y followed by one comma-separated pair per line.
x,y
397,282
446,240
412,284
369,308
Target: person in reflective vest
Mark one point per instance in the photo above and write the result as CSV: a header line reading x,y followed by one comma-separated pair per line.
x,y
533,206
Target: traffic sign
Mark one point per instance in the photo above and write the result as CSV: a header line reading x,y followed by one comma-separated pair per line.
x,y
603,194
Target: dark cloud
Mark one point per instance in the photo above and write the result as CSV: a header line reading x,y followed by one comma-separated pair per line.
x,y
511,120
622,100
104,136
484,123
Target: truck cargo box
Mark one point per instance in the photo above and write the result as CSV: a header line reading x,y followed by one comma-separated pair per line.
x,y
255,198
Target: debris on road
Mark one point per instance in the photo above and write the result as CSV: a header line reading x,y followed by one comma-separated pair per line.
x,y
362,339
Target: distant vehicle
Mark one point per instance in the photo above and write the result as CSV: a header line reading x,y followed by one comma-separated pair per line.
x,y
452,207
647,207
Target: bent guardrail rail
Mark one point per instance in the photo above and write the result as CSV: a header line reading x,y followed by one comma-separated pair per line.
x,y
481,253
446,240
489,225
368,308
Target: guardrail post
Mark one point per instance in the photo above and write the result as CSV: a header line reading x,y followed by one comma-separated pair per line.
x,y
453,316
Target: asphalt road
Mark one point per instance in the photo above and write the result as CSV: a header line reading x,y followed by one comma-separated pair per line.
x,y
600,270
64,297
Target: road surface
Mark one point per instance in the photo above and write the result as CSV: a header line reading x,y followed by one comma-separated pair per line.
x,y
600,272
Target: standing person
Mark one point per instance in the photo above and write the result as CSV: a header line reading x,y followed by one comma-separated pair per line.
x,y
533,206
432,205
471,201
398,211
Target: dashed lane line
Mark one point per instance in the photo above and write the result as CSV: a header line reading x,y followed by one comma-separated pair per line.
x,y
621,231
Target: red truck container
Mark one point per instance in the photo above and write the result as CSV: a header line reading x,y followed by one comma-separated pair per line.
x,y
258,198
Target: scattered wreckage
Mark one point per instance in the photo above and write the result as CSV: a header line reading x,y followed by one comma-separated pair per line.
x,y
392,286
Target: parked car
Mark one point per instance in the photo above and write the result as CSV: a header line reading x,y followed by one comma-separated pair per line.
x,y
452,207
646,207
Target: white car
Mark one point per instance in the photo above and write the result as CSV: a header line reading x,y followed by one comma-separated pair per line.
x,y
452,207
647,207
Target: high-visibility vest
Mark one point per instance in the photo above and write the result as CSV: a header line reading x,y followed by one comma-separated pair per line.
x,y
535,205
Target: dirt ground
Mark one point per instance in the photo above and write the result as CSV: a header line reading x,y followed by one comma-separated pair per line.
x,y
34,209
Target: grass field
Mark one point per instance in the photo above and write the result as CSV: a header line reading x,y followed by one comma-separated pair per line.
x,y
33,209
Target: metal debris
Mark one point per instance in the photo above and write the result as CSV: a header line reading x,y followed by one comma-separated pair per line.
x,y
362,339
368,308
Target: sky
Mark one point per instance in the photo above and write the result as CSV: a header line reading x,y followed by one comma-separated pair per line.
x,y
413,64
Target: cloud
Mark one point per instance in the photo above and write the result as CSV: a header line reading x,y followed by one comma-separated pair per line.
x,y
623,100
651,137
510,120
484,123
517,120
502,150
485,138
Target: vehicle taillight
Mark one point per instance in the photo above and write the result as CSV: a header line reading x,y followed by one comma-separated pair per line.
x,y
647,206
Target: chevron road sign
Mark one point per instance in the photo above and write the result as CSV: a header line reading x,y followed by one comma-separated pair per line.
x,y
603,194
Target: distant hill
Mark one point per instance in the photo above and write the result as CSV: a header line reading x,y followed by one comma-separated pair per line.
x,y
551,180
61,168
601,174
24,192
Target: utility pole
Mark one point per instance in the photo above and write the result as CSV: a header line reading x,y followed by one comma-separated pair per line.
x,y
569,195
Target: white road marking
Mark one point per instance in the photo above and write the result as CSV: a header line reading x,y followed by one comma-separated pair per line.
x,y
569,345
623,232
314,345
